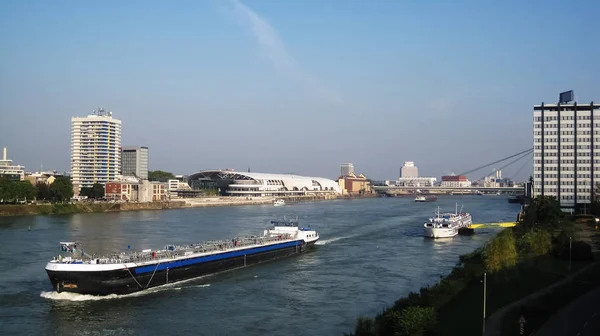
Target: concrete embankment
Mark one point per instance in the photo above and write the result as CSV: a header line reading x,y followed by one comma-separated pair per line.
x,y
71,208
229,201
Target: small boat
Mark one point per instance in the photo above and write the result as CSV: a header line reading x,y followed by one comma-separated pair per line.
x,y
279,202
425,199
516,199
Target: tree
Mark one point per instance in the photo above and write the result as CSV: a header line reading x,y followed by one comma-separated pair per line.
x,y
160,176
11,191
501,252
86,191
24,190
595,205
96,191
535,243
43,191
415,321
61,189
365,326
6,189
543,213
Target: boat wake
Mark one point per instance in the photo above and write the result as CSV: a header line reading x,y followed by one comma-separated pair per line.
x,y
329,241
75,297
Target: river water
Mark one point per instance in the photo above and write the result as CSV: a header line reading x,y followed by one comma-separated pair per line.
x,y
371,253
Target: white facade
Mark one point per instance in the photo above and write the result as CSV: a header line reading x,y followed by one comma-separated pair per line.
x,y
415,182
262,184
173,185
134,162
7,167
566,145
95,149
347,169
455,184
409,170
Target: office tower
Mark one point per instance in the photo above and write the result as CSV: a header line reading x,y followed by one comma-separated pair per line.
x,y
566,144
134,162
347,169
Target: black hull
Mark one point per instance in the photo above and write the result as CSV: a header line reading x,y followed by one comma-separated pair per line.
x,y
125,281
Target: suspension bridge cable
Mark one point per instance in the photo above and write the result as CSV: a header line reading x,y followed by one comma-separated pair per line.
x,y
513,161
521,168
489,164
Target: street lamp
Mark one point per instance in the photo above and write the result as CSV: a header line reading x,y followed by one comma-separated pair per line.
x,y
570,253
484,297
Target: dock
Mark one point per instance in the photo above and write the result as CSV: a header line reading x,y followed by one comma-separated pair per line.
x,y
499,224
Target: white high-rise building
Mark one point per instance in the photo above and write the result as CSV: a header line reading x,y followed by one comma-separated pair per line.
x,y
409,170
566,144
95,149
347,169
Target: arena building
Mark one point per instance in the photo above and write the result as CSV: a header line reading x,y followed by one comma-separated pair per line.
x,y
232,183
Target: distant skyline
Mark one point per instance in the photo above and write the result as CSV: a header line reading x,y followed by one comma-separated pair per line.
x,y
296,87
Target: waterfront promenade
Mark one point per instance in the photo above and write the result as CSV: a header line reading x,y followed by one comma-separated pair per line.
x,y
581,318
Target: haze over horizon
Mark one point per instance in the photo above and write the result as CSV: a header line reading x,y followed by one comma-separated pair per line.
x,y
294,87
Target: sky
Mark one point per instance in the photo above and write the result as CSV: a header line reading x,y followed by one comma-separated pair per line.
x,y
294,86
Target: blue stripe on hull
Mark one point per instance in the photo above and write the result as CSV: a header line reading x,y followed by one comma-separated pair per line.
x,y
220,256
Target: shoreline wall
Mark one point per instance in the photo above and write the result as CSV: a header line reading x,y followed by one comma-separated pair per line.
x,y
71,208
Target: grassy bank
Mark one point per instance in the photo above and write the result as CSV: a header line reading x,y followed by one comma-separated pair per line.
x,y
72,208
518,261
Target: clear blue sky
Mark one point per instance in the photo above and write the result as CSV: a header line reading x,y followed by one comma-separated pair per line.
x,y
293,86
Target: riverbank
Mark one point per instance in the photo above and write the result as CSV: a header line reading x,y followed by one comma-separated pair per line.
x,y
232,201
70,208
515,263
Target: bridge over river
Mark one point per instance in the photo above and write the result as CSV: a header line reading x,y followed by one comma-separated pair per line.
x,y
396,190
515,190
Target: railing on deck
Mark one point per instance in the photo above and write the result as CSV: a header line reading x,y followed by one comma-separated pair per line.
x,y
175,251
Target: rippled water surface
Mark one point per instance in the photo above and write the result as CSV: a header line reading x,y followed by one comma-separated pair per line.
x,y
371,253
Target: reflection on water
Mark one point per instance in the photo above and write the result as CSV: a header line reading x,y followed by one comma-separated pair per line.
x,y
370,253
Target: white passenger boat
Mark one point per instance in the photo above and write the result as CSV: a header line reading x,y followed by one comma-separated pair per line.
x,y
445,225
279,202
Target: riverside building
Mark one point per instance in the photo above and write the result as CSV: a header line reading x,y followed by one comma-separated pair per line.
x,y
566,144
95,149
243,184
7,169
134,162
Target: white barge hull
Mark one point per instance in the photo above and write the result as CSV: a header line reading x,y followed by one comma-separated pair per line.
x,y
440,232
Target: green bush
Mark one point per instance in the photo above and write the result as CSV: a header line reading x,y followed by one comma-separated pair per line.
x,y
365,326
501,252
535,243
415,321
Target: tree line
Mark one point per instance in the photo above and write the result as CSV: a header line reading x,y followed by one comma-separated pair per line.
x,y
11,191
160,176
